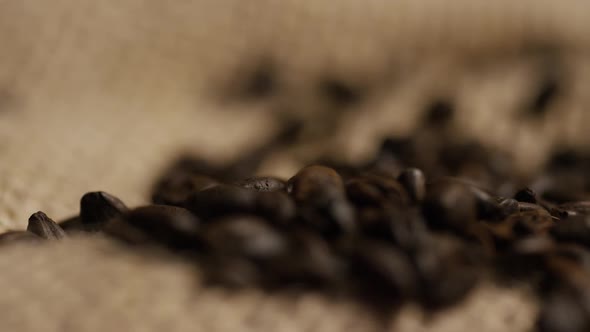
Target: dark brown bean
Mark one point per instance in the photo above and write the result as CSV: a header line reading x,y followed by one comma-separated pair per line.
x,y
526,195
314,179
321,200
97,208
176,187
40,224
243,236
576,229
576,208
263,183
385,272
222,200
275,206
414,182
172,226
446,271
449,205
375,190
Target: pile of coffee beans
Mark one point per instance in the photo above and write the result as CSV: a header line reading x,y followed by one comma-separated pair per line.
x,y
424,221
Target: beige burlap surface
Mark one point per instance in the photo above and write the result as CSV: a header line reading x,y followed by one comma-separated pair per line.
x,y
100,95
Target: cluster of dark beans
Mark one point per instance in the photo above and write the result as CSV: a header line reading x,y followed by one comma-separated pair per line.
x,y
424,221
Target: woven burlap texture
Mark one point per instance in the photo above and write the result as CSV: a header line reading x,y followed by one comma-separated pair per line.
x,y
101,95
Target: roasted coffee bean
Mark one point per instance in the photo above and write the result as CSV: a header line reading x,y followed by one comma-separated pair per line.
x,y
321,200
576,208
575,230
18,237
175,188
386,273
332,216
311,260
275,206
172,226
531,222
446,271
314,179
526,195
507,206
97,208
414,182
375,190
525,207
222,200
40,224
263,183
449,205
243,236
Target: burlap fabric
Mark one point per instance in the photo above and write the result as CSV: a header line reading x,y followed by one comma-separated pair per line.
x,y
100,95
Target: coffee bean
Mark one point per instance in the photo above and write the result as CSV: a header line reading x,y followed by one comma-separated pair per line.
x,y
43,226
446,272
414,182
311,260
11,237
385,272
172,226
175,188
524,207
531,222
265,183
321,200
314,179
275,206
221,200
507,207
375,190
576,208
576,230
526,195
449,205
243,236
97,208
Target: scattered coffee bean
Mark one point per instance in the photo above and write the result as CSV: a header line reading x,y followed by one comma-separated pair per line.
x,y
449,205
526,195
575,230
221,200
97,208
414,182
43,226
172,226
265,183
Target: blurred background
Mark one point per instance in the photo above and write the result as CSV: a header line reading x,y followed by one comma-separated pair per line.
x,y
101,95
